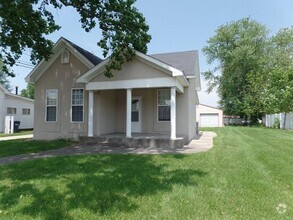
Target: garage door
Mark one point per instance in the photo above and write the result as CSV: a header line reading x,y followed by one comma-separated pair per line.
x,y
209,120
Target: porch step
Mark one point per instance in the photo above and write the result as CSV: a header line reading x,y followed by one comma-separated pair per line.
x,y
135,142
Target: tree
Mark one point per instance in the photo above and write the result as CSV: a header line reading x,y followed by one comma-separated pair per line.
x,y
29,91
3,79
238,49
279,80
26,23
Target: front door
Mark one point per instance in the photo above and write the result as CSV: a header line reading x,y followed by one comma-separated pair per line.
x,y
136,114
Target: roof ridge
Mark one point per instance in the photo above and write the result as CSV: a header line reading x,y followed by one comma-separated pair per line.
x,y
87,54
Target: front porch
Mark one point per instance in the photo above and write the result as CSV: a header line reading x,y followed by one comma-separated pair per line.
x,y
138,140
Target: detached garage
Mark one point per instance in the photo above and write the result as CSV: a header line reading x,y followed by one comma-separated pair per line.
x,y
208,116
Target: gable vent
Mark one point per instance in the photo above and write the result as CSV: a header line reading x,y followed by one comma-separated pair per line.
x,y
65,56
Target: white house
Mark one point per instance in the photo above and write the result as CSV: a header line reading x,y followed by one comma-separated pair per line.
x,y
14,105
208,116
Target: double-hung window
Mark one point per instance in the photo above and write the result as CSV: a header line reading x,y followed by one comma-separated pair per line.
x,y
164,103
51,105
77,102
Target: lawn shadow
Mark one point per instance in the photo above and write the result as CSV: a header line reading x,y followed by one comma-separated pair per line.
x,y
101,184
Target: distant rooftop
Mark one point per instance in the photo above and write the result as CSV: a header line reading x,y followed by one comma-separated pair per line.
x,y
185,61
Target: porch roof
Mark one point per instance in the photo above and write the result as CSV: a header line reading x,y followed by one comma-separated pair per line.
x,y
174,77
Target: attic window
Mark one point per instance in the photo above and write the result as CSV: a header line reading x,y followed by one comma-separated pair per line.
x,y
65,56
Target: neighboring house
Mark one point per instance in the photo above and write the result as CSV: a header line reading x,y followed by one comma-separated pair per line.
x,y
150,95
208,116
14,105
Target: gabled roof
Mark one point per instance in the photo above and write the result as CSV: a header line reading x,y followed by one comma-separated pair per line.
x,y
87,58
170,70
91,57
7,93
186,61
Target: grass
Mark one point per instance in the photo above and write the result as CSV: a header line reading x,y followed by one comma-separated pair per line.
x,y
247,175
26,146
16,133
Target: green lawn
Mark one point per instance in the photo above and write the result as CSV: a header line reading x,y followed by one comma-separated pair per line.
x,y
247,175
26,146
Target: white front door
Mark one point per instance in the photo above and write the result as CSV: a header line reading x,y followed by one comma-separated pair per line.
x,y
136,114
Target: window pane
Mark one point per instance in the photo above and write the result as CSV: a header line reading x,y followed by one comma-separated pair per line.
x,y
11,111
164,97
77,97
77,113
134,105
134,116
164,113
51,113
26,111
51,97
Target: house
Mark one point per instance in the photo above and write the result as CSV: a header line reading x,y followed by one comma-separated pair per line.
x,y
208,116
14,105
151,96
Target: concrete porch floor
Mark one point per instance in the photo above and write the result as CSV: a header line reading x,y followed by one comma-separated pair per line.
x,y
138,140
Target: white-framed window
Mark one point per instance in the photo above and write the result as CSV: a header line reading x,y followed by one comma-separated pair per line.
x,y
77,103
51,105
26,111
11,111
65,56
164,104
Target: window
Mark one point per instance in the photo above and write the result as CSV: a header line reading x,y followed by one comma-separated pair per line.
x,y
135,110
26,111
164,101
11,111
77,105
65,56
51,104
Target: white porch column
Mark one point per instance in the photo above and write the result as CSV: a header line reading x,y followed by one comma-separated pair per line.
x,y
128,113
173,112
91,114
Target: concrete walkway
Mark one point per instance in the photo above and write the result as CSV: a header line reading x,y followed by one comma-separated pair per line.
x,y
16,137
204,143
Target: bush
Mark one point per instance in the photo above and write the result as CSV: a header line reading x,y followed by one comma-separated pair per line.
x,y
276,123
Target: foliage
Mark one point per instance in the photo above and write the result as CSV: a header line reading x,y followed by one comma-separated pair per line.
x,y
279,80
247,175
3,78
29,91
238,49
25,24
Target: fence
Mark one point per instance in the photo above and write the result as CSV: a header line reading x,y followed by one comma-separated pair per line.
x,y
269,120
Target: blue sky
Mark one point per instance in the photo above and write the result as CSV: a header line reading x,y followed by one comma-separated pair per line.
x,y
177,26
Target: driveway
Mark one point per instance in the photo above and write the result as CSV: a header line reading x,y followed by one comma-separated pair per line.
x,y
204,143
16,137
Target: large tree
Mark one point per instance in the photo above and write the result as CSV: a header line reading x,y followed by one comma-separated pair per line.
x,y
238,51
279,78
26,24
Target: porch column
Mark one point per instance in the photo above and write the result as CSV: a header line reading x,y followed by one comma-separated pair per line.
x,y
128,113
91,114
173,112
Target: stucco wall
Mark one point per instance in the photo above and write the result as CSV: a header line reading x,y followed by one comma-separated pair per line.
x,y
62,77
132,70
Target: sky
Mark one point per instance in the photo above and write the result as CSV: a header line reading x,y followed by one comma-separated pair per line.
x,y
176,26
